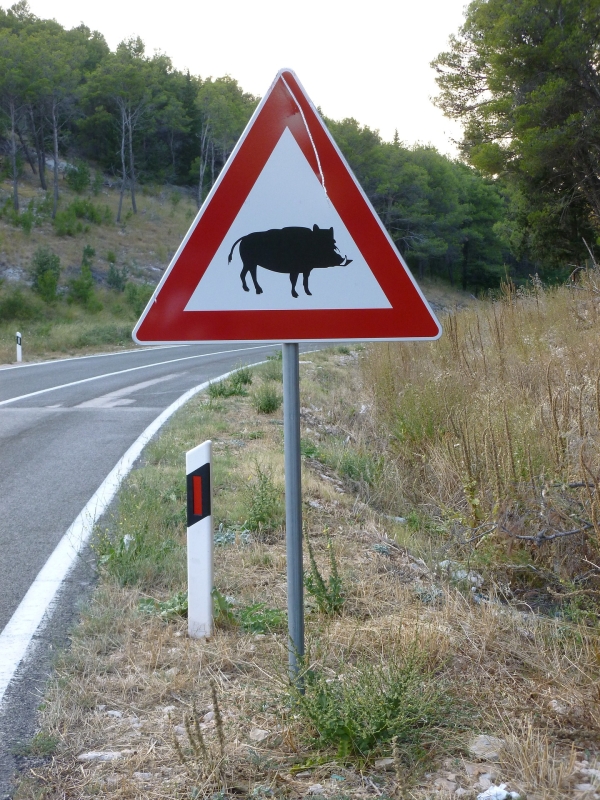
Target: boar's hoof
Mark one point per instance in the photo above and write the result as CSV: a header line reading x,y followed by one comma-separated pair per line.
x,y
294,293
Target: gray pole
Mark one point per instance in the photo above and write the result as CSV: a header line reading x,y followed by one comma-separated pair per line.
x,y
293,504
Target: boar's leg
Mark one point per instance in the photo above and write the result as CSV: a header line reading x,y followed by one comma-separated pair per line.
x,y
305,276
252,270
293,279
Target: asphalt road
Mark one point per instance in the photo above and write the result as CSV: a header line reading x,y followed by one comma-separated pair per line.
x,y
63,427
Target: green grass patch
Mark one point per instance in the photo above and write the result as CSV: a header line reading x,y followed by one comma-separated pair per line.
x,y
253,618
146,544
267,399
234,386
365,706
42,744
265,500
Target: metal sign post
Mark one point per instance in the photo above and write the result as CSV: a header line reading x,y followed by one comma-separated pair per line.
x,y
19,349
293,505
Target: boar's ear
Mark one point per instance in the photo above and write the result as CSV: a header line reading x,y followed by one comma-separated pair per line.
x,y
331,232
315,228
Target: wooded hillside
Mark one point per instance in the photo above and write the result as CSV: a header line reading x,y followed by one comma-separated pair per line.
x,y
130,118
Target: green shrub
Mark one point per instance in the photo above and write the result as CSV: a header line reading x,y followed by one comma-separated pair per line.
x,y
265,500
81,289
267,399
44,273
110,333
17,306
117,278
235,385
359,466
97,183
69,221
367,706
242,376
137,295
77,176
272,370
328,594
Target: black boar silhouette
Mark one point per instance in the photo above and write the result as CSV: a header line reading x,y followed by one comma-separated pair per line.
x,y
289,251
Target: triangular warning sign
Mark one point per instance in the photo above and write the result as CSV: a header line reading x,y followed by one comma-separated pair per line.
x,y
286,247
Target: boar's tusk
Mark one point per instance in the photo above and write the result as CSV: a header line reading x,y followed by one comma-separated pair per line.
x,y
346,262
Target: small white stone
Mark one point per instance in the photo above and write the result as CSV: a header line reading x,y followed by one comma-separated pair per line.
x,y
306,774
142,776
384,763
485,781
316,788
473,770
445,784
558,707
593,773
209,716
115,714
258,735
584,787
179,729
486,747
168,709
100,755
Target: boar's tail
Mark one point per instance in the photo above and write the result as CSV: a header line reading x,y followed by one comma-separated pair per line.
x,y
232,249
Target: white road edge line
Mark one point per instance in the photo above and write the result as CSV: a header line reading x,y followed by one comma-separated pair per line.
x,y
139,349
37,605
131,369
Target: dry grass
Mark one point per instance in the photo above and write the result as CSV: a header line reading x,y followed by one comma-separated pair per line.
x,y
533,681
495,431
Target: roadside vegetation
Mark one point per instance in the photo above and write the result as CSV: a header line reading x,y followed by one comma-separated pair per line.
x,y
83,293
429,621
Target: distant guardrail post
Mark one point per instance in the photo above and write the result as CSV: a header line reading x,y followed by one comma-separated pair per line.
x,y
19,348
199,540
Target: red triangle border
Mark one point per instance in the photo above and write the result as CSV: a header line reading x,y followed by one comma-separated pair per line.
x,y
164,319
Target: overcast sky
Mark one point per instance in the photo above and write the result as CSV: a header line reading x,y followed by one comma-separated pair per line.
x,y
367,60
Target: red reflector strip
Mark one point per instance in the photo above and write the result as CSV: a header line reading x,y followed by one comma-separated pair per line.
x,y
197,482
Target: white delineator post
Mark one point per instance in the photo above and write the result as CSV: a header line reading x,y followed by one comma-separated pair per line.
x,y
199,540
19,349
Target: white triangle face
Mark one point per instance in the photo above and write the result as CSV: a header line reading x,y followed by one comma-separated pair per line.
x,y
287,193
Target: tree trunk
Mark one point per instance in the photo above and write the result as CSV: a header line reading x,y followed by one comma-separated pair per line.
x,y
123,165
26,150
55,153
449,266
38,138
131,165
203,162
465,264
13,155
